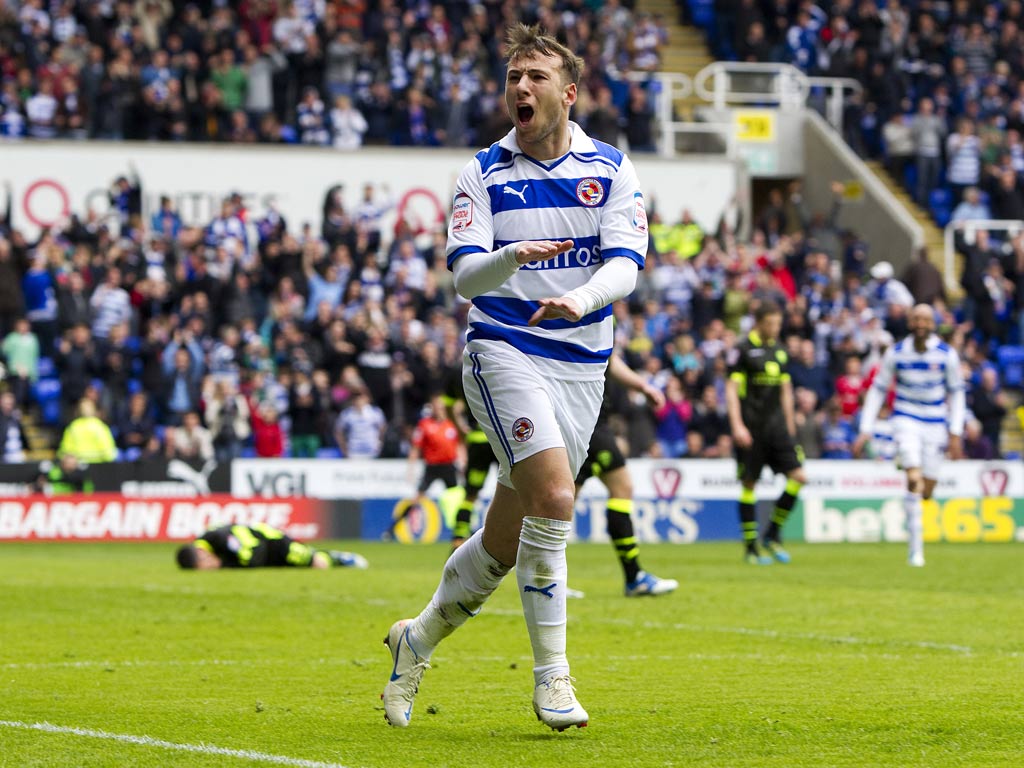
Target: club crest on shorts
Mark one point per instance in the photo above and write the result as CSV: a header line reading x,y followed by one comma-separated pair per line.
x,y
522,429
590,192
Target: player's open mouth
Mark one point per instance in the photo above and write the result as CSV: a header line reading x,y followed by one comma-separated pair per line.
x,y
525,114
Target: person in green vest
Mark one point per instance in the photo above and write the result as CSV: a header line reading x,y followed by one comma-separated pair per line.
x,y
64,478
88,438
685,238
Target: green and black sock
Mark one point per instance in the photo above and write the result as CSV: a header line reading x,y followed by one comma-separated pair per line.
x,y
461,530
748,518
782,509
620,531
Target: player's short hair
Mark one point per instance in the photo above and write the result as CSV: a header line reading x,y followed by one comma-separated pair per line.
x,y
187,557
766,309
526,41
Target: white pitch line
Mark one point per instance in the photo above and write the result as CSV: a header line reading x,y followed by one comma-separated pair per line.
x,y
816,637
104,663
149,741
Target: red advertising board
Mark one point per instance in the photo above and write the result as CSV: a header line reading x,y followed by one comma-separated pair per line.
x,y
113,517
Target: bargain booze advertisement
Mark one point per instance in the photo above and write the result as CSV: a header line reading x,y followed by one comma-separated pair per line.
x,y
112,517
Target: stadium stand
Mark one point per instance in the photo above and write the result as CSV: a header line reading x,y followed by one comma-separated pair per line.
x,y
260,325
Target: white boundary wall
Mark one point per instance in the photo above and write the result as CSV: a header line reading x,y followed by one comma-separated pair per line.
x,y
52,178
700,479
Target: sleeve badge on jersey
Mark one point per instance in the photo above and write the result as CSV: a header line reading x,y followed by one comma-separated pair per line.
x,y
522,429
639,213
590,192
462,212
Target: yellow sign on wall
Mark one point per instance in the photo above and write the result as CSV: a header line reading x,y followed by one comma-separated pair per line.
x,y
754,125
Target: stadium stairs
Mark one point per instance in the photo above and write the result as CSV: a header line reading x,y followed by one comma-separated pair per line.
x,y
932,234
40,438
1012,437
686,51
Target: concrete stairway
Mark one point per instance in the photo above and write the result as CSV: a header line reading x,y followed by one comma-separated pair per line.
x,y
1012,437
686,51
932,234
41,441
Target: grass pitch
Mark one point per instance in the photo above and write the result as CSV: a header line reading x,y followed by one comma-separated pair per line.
x,y
845,658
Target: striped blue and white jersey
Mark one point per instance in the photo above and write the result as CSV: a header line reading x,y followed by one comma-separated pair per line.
x,y
883,442
923,381
591,196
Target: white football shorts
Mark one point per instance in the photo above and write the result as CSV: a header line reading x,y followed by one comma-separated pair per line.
x,y
919,445
523,411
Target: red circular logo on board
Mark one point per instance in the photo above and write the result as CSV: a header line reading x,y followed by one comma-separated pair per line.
x,y
522,429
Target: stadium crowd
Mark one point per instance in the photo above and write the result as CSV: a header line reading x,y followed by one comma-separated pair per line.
x,y
943,85
251,336
322,72
199,342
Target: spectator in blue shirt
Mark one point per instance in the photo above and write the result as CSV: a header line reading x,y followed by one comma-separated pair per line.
x,y
326,289
837,433
806,372
166,221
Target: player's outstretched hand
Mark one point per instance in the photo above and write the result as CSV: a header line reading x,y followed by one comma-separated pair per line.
x,y
858,445
554,309
956,448
655,397
541,250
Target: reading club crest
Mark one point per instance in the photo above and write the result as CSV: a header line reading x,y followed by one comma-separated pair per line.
x,y
522,429
590,192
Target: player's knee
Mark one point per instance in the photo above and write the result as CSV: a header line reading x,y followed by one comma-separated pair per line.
x,y
551,500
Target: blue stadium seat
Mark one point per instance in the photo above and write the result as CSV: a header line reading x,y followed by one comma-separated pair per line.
x,y
942,215
46,368
50,412
1011,365
703,13
328,453
940,198
46,390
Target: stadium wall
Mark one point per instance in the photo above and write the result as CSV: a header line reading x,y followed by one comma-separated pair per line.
x,y
679,501
53,179
875,215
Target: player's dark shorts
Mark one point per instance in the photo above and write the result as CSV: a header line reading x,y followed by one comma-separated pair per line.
x,y
479,457
443,472
773,447
603,454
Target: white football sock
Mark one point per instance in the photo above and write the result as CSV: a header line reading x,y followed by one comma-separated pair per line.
x,y
915,526
468,579
541,572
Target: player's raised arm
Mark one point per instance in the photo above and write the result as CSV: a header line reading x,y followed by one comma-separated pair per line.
x,y
874,399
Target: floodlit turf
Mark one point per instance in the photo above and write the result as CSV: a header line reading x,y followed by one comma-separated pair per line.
x,y
845,658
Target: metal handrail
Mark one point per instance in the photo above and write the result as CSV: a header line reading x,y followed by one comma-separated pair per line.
x,y
790,87
1013,226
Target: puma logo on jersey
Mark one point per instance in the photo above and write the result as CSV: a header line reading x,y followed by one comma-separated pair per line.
x,y
520,193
